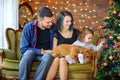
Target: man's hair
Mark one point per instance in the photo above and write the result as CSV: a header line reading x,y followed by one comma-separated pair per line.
x,y
44,12
60,19
83,33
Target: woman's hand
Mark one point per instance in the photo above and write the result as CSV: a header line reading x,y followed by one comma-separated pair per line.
x,y
47,51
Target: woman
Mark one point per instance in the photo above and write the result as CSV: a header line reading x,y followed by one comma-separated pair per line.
x,y
65,35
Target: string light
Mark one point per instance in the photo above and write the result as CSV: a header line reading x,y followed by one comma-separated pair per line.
x,y
81,9
67,2
66,8
88,6
80,3
93,22
35,8
82,15
83,20
94,10
37,2
79,20
55,7
90,11
85,11
94,5
47,6
96,21
80,27
90,27
56,2
73,5
86,26
75,11
94,16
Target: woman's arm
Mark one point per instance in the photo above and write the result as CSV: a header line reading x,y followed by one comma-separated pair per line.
x,y
55,41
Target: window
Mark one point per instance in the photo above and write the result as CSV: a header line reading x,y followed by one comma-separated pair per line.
x,y
8,18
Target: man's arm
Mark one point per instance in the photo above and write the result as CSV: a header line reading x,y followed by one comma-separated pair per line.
x,y
26,38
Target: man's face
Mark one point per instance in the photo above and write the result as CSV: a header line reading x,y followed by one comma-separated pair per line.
x,y
46,22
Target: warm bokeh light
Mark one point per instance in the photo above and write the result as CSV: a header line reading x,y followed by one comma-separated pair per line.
x,y
83,11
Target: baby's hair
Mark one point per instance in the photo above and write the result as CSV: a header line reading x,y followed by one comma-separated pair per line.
x,y
83,33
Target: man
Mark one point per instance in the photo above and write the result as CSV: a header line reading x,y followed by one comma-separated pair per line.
x,y
36,36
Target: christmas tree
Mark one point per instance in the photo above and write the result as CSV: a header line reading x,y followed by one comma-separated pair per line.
x,y
109,63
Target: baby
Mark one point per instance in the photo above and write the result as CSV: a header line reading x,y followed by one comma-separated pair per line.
x,y
85,40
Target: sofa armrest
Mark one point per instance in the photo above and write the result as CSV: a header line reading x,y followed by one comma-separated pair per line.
x,y
9,54
96,60
1,57
98,55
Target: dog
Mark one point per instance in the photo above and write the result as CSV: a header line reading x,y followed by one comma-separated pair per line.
x,y
73,50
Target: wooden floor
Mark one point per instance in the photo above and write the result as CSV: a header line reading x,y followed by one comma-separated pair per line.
x,y
76,79
55,79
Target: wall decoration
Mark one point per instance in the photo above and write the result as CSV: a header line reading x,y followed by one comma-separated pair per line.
x,y
25,14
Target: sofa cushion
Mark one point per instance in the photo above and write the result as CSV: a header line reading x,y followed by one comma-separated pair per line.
x,y
10,68
14,65
10,64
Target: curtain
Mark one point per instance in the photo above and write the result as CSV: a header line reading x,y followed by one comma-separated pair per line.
x,y
8,18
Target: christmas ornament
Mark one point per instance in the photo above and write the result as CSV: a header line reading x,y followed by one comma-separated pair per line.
x,y
110,26
107,17
118,38
110,43
110,37
111,57
103,26
112,68
98,65
118,24
114,12
119,74
113,79
106,46
105,63
119,14
115,47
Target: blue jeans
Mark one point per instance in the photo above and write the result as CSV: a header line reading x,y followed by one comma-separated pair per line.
x,y
26,64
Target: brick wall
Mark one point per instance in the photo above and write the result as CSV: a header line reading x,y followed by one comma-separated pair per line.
x,y
87,13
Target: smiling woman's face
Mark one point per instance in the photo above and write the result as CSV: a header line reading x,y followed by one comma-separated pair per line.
x,y
67,22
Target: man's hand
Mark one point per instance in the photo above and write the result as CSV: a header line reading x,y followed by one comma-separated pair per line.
x,y
42,51
45,51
